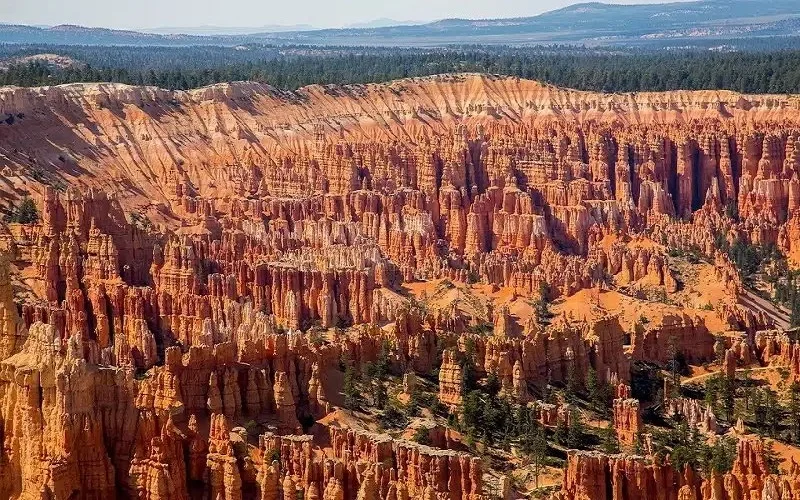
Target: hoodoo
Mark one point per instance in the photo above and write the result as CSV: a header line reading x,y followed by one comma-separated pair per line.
x,y
433,288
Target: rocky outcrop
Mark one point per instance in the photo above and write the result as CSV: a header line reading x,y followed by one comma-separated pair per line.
x,y
551,414
776,348
655,340
627,421
12,331
363,465
450,379
696,414
245,252
420,468
591,475
594,476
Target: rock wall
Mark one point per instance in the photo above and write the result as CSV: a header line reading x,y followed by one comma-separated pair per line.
x,y
594,476
627,422
655,340
776,348
420,468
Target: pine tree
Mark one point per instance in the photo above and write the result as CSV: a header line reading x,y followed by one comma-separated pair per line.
x,y
467,363
26,213
592,384
575,430
379,396
561,432
773,412
600,393
609,441
571,389
492,386
538,453
772,458
352,396
728,398
794,410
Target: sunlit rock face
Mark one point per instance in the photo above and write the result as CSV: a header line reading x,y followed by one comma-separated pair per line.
x,y
205,263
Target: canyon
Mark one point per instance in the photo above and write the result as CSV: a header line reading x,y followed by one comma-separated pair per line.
x,y
209,269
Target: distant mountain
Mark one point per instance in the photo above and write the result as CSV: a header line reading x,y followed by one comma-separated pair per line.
x,y
593,24
382,23
227,30
67,34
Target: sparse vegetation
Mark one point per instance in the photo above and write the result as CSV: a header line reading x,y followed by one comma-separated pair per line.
x,y
25,213
422,436
687,447
541,305
482,328
393,418
140,221
352,395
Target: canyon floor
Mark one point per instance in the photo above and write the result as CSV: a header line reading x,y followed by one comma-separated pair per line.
x,y
454,287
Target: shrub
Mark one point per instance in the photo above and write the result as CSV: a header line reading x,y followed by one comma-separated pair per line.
x,y
26,213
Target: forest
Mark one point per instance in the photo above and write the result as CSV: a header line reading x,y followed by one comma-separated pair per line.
x,y
294,67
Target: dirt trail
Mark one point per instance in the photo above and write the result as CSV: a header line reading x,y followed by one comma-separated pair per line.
x,y
698,378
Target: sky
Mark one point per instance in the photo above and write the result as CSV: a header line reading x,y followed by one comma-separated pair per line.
x,y
141,14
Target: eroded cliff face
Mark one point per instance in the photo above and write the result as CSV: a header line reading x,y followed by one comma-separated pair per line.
x,y
216,254
591,475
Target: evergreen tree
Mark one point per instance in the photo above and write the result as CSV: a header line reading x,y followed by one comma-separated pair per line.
x,y
25,213
728,398
561,433
537,452
592,384
379,395
747,389
492,386
600,393
471,407
772,458
576,430
352,397
571,389
609,442
467,363
773,412
585,69
422,436
687,447
721,455
794,410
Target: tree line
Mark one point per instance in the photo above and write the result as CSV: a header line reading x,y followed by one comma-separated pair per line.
x,y
191,67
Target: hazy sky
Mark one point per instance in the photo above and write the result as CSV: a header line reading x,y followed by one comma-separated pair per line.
x,y
246,13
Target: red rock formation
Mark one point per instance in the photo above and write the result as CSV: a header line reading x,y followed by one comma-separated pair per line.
x,y
363,466
12,331
418,467
627,421
655,340
591,475
594,476
551,415
775,348
450,379
149,328
697,415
